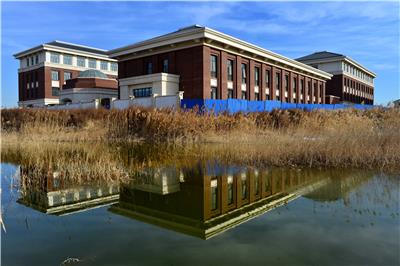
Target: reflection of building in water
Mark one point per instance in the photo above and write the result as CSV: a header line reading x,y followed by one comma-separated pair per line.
x,y
340,186
50,194
158,180
207,205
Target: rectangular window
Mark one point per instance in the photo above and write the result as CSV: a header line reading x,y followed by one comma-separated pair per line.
x,y
230,190
213,92
142,92
55,58
309,87
54,75
286,83
37,59
257,76
320,90
278,81
230,70
302,86
67,75
213,66
149,68
114,66
27,61
104,65
55,91
256,96
230,93
294,85
165,66
214,194
267,97
81,61
244,186
32,61
67,59
244,74
92,63
315,88
244,97
267,79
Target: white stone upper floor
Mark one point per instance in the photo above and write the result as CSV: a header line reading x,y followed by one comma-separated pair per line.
x,y
337,64
67,56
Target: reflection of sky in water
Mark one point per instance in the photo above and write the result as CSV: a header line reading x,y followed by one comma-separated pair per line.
x,y
359,228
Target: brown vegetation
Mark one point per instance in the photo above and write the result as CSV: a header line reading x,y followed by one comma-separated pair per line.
x,y
347,138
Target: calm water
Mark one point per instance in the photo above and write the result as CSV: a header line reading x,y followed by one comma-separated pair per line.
x,y
206,214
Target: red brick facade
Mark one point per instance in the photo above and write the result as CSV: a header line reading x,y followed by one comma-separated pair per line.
x,y
42,78
91,83
336,86
193,67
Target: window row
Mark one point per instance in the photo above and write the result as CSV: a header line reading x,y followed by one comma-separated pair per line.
x,y
257,73
150,69
81,62
32,60
357,73
142,92
358,86
55,75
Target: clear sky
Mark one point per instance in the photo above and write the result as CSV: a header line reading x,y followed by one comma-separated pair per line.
x,y
366,31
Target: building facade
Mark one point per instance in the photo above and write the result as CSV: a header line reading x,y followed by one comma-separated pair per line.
x,y
213,65
44,70
351,82
88,86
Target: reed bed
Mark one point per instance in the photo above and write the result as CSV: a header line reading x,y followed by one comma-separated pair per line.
x,y
346,138
77,164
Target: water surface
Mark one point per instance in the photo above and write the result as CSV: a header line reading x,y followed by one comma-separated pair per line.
x,y
202,212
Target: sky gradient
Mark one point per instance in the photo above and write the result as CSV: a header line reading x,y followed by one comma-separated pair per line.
x,y
368,32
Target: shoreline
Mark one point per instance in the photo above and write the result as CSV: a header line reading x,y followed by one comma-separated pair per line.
x,y
330,139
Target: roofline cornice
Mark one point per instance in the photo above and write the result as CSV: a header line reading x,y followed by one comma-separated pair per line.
x,y
49,47
210,34
339,58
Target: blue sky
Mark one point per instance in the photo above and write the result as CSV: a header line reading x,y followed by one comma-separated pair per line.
x,y
366,31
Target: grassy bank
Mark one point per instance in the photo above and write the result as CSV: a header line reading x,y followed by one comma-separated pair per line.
x,y
347,138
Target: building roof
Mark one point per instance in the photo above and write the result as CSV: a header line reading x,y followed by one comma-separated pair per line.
x,y
319,55
77,47
208,36
63,46
92,73
325,56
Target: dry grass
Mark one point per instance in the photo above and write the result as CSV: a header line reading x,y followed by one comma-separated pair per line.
x,y
347,138
75,164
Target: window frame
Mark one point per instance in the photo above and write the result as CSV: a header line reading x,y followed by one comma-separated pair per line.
x,y
53,73
67,59
213,66
90,61
54,57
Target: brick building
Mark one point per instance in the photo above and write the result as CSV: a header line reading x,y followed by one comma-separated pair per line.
x,y
44,70
207,64
199,203
351,82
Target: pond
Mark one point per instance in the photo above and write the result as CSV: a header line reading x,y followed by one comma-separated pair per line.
x,y
192,210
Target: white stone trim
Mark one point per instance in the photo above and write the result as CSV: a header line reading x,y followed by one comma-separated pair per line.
x,y
162,84
214,82
340,58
